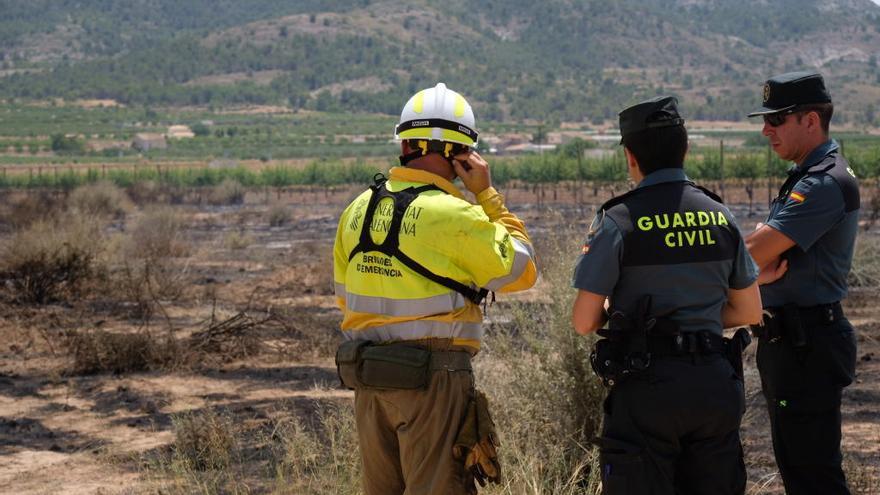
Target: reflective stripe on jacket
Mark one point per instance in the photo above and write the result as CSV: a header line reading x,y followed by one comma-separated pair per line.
x,y
481,246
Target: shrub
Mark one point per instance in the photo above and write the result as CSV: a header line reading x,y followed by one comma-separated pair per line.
x,y
228,192
100,198
158,234
147,263
34,206
278,215
67,145
99,351
238,240
49,260
145,191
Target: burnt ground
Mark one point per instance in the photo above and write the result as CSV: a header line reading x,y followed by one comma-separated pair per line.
x,y
63,432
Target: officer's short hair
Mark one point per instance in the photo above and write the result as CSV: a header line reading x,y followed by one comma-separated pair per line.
x,y
824,110
658,148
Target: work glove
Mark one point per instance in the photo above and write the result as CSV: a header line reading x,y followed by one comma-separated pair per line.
x,y
477,441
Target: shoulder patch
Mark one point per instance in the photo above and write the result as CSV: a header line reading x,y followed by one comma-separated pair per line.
x,y
797,197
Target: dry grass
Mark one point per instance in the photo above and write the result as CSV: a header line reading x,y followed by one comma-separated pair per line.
x,y
545,443
214,453
319,459
204,441
862,480
237,240
865,270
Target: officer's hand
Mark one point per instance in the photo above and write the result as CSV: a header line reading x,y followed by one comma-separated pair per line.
x,y
773,271
473,170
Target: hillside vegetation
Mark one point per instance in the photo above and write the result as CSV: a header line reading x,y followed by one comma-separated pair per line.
x,y
516,59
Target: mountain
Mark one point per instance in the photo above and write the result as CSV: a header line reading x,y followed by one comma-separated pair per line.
x,y
515,59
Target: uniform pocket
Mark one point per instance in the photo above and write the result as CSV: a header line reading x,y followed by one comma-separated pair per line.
x,y
842,356
809,428
623,467
347,358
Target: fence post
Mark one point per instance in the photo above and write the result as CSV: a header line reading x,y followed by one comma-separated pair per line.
x,y
721,152
769,176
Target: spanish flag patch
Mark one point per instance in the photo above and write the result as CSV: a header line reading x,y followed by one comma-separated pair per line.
x,y
796,196
585,249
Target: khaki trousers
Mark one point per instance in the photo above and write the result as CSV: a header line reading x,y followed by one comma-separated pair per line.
x,y
406,437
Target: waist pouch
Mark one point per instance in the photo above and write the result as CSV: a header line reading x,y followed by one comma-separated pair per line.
x,y
362,364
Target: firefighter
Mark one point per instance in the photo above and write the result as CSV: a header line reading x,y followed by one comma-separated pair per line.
x,y
413,260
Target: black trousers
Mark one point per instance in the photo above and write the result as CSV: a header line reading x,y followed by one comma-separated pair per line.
x,y
674,429
803,388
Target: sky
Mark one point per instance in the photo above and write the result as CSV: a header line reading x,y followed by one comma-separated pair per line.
x,y
876,1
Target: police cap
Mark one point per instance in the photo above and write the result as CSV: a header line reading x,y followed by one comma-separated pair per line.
x,y
661,111
786,91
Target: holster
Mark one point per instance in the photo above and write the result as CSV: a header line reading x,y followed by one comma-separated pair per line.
x,y
607,361
782,323
624,349
733,350
477,442
362,364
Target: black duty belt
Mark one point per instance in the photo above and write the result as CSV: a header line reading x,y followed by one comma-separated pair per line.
x,y
790,321
823,313
685,343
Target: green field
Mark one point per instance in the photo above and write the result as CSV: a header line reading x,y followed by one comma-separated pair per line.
x,y
66,146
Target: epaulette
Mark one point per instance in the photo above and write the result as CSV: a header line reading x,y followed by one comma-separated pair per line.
x,y
708,192
829,161
619,199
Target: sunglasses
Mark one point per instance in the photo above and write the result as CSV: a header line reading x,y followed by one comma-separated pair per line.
x,y
777,119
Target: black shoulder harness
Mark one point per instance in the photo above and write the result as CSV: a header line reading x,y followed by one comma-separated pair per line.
x,y
838,171
619,199
391,245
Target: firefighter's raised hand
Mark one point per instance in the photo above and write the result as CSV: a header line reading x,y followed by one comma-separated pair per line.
x,y
473,170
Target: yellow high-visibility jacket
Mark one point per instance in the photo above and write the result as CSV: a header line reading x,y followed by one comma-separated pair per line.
x,y
482,246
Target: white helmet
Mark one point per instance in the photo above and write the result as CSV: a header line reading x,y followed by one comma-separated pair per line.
x,y
437,114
